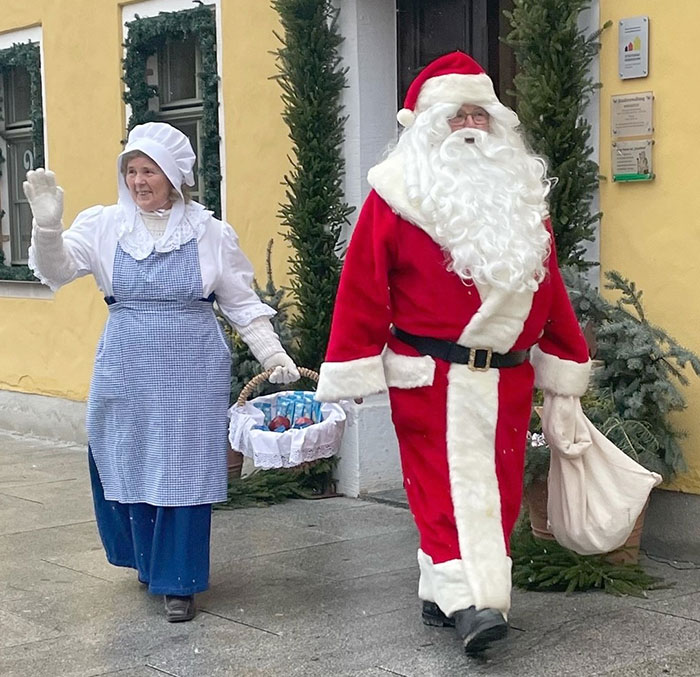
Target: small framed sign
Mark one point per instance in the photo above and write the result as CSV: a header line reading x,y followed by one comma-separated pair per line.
x,y
632,114
633,47
631,160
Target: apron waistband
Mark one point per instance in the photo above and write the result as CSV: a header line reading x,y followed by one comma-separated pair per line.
x,y
110,300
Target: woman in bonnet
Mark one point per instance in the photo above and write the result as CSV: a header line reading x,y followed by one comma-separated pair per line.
x,y
156,414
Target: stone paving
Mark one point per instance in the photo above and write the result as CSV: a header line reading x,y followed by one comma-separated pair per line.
x,y
305,588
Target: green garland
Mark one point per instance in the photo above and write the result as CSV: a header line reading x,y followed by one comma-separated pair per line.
x,y
312,80
25,55
553,89
267,487
145,37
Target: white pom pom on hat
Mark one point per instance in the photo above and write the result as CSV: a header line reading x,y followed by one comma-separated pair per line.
x,y
406,117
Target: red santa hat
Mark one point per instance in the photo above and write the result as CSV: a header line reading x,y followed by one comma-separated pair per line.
x,y
452,78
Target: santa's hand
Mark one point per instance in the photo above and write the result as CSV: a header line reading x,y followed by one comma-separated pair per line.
x,y
45,198
285,371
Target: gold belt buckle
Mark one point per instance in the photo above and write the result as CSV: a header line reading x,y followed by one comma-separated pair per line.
x,y
472,358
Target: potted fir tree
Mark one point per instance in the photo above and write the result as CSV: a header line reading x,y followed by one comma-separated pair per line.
x,y
633,392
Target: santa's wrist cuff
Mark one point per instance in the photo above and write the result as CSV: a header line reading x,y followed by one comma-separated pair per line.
x,y
559,376
352,379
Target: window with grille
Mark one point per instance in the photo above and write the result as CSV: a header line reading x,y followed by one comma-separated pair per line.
x,y
174,55
19,138
173,70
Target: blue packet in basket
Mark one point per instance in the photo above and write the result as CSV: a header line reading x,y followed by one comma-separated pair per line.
x,y
316,414
266,409
283,405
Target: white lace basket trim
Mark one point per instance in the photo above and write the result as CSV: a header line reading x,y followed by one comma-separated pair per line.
x,y
290,448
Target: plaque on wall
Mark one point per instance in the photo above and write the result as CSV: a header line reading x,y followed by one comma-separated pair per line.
x,y
632,114
633,47
631,160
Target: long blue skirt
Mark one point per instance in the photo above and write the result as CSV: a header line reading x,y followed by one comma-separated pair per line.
x,y
168,546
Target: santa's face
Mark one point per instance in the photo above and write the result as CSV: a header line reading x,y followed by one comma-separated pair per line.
x,y
470,116
480,195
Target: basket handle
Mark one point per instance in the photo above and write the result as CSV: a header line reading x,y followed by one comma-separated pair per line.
x,y
254,382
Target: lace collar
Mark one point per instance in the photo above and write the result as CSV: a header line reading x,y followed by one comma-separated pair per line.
x,y
135,240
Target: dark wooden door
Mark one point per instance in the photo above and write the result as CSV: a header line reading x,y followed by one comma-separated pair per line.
x,y
428,28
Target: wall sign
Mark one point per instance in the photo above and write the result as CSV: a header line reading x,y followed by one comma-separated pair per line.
x,y
631,114
632,136
632,160
633,47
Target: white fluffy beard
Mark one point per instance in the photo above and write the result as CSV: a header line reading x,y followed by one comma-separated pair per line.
x,y
482,198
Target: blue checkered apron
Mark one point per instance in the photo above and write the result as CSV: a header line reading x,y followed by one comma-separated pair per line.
x,y
156,414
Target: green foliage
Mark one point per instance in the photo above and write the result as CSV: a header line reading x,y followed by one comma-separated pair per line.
x,y
266,487
545,565
17,273
639,380
146,36
245,366
553,88
312,79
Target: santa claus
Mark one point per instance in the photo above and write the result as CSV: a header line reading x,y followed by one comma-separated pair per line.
x,y
451,298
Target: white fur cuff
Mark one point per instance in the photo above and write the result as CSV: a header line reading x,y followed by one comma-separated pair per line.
x,y
562,377
406,371
354,378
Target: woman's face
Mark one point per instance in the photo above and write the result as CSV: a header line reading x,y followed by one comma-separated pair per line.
x,y
149,187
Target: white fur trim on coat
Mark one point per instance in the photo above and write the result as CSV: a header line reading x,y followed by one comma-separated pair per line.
x,y
407,371
387,178
558,376
499,321
472,415
444,583
354,378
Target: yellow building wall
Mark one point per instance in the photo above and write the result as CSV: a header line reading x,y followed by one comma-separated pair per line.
x,y
49,345
650,231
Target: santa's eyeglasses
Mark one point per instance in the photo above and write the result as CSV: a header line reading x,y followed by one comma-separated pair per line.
x,y
478,116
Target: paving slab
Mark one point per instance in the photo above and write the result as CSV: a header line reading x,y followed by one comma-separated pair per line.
x,y
308,588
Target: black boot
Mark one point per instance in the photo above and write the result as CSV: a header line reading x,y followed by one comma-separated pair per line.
x,y
178,609
433,615
478,629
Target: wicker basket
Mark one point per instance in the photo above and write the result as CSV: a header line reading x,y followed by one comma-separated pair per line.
x,y
291,448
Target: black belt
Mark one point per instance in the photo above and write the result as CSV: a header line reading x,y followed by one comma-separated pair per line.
x,y
477,359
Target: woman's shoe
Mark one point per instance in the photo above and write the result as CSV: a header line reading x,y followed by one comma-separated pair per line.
x,y
478,629
178,609
433,615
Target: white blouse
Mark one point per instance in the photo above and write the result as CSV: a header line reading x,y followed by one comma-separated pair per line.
x,y
90,245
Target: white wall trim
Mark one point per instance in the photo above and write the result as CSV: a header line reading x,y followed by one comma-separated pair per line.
x,y
589,22
21,289
369,51
150,8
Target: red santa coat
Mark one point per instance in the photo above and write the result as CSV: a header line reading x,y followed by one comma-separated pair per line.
x,y
461,433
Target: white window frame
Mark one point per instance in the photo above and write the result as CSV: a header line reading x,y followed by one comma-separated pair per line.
x,y
17,288
151,8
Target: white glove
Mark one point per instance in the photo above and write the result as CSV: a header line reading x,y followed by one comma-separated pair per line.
x,y
285,371
45,198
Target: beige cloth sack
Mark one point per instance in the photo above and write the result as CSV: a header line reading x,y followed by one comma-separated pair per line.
x,y
596,491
